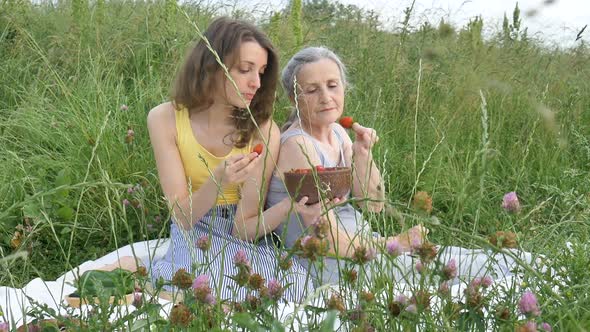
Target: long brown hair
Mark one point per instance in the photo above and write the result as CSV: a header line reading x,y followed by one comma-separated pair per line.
x,y
196,78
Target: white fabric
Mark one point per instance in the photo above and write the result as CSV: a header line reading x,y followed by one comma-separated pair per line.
x,y
14,302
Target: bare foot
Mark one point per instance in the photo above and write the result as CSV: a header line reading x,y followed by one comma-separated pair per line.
x,y
412,238
126,263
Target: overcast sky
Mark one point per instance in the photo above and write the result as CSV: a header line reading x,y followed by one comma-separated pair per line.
x,y
559,21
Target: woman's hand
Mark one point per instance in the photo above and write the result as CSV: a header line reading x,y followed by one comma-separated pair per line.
x,y
236,169
310,214
365,139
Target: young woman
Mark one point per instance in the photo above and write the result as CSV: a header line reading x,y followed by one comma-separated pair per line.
x,y
215,184
315,81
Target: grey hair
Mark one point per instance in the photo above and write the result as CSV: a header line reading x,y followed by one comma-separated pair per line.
x,y
300,59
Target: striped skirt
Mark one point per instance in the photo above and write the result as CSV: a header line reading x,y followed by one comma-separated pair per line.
x,y
217,261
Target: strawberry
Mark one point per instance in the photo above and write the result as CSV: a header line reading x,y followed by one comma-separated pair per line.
x,y
346,122
257,149
320,168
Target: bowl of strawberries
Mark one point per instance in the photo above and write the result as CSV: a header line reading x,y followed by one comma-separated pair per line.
x,y
328,182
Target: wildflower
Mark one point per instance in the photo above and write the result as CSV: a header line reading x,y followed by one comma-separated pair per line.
x,y
203,243
321,229
349,276
130,136
312,247
243,275
285,262
137,299
180,315
126,202
241,260
371,254
529,326
253,302
17,240
364,255
124,107
401,299
336,303
357,315
450,270
421,299
202,290
367,296
510,202
422,202
182,279
141,271
474,298
419,267
256,281
443,289
275,290
528,304
427,252
503,313
200,281
130,190
395,308
503,239
412,308
393,247
546,327
306,240
415,243
487,281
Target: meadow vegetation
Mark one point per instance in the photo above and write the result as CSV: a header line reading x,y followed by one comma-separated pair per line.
x,y
461,117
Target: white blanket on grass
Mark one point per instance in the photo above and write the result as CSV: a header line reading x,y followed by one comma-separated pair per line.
x,y
16,303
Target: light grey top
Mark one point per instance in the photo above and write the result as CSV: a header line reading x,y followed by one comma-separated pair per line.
x,y
350,220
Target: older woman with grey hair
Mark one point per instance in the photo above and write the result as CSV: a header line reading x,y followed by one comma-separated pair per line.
x,y
315,82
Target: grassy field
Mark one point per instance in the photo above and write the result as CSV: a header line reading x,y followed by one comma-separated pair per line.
x,y
462,118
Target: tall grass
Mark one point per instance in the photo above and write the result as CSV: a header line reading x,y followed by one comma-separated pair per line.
x,y
68,159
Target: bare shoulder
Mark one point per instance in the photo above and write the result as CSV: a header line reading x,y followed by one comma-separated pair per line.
x,y
298,149
161,114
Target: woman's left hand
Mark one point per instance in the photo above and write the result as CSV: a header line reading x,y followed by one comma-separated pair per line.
x,y
365,138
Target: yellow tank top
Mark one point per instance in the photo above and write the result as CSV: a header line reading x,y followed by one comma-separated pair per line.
x,y
198,162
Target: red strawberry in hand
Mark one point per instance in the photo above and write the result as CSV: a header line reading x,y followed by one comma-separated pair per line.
x,y
258,149
346,122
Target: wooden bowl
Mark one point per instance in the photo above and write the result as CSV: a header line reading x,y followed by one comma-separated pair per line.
x,y
76,302
329,182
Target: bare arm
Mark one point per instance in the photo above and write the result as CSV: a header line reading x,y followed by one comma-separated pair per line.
x,y
299,152
187,208
251,222
367,181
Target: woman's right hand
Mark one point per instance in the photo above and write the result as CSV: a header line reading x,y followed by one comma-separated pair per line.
x,y
236,169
